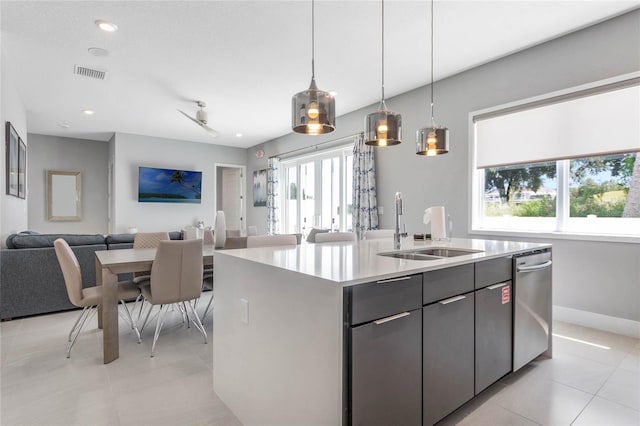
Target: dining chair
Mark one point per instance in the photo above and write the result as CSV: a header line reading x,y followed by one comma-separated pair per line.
x,y
375,234
89,299
207,237
234,233
252,230
176,277
271,240
332,237
220,229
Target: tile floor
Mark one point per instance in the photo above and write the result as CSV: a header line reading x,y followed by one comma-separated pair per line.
x,y
582,385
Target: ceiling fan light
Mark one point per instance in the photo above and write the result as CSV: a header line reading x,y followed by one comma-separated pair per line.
x,y
431,141
383,128
313,111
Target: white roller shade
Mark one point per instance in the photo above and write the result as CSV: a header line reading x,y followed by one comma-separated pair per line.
x,y
597,124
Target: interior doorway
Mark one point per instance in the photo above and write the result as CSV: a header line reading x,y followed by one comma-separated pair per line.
x,y
230,197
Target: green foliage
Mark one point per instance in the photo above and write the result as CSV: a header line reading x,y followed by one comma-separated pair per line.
x,y
620,166
543,207
597,198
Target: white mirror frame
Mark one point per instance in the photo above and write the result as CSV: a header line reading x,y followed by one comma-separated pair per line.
x,y
63,196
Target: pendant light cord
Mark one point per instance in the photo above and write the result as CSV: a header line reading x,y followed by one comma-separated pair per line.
x,y
313,41
433,123
383,51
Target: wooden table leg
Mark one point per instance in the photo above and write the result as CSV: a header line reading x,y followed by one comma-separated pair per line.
x,y
110,342
99,282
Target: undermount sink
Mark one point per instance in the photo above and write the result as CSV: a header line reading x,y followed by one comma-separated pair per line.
x,y
410,256
446,252
434,253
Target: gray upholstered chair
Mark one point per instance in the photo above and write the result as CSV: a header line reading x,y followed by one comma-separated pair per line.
x,y
271,240
176,277
332,237
87,298
144,240
376,234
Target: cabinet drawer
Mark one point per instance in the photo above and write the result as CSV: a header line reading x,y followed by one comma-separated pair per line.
x,y
493,271
385,297
448,282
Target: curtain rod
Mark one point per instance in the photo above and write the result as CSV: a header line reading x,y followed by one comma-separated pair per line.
x,y
315,147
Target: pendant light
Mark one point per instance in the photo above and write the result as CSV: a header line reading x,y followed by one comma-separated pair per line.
x,y
432,140
313,111
383,127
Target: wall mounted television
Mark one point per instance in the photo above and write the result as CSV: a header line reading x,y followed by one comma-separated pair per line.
x,y
169,186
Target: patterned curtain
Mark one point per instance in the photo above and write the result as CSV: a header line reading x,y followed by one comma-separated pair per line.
x,y
365,204
273,196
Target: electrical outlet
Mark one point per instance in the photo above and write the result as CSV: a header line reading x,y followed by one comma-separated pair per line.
x,y
244,311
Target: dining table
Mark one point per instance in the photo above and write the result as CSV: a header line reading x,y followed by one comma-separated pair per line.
x,y
110,263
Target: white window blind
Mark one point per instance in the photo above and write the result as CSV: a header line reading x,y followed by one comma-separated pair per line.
x,y
597,124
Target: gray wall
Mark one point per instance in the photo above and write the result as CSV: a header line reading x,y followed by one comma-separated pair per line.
x,y
605,50
131,151
56,153
13,210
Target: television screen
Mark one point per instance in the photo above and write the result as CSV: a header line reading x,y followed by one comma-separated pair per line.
x,y
169,186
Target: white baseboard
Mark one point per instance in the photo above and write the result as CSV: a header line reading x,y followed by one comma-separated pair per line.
x,y
598,321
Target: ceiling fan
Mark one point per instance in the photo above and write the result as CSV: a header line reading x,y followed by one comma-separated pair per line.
x,y
201,119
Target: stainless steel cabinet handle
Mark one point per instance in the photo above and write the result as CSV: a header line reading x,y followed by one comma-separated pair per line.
x,y
534,267
493,287
391,318
451,300
390,280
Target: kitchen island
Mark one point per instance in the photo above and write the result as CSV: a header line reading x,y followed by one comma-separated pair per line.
x,y
288,321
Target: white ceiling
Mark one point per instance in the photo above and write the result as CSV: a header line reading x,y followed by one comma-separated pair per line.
x,y
247,58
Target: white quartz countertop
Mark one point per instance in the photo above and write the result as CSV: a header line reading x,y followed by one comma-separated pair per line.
x,y
351,263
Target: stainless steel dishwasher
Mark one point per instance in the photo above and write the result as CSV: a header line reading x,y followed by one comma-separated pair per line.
x,y
532,310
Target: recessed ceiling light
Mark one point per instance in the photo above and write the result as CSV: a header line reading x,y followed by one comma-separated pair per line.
x,y
238,135
88,111
98,51
64,124
333,93
106,26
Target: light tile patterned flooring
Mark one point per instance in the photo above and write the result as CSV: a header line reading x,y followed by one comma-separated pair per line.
x,y
581,385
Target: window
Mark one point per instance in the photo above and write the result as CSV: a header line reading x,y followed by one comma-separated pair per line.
x,y
582,177
317,191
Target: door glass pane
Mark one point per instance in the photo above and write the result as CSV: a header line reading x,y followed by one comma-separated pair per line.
x,y
307,196
348,186
329,218
291,200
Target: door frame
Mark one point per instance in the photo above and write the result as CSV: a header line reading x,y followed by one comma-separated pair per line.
x,y
243,188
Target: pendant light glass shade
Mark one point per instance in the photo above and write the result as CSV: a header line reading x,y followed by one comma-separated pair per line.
x,y
432,141
383,127
313,111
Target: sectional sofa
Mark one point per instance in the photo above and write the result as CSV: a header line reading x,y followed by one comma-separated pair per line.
x,y
31,279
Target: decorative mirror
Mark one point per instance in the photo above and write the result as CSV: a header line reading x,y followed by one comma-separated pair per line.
x,y
63,195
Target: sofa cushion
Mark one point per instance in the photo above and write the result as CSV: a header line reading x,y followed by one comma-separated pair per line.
x,y
9,241
20,241
175,235
120,238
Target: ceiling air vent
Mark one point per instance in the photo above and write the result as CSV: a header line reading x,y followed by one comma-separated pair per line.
x,y
89,72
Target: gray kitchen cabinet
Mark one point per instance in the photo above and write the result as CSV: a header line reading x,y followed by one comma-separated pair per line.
x,y
493,334
386,365
448,356
383,326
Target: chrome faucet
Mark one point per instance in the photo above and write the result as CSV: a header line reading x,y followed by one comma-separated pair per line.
x,y
397,235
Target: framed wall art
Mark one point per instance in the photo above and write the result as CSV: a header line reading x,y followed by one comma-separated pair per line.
x,y
260,188
22,169
12,141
